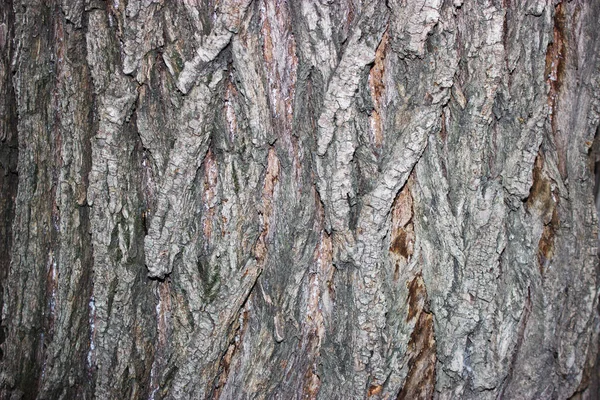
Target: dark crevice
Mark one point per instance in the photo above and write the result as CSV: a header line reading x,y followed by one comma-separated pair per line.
x,y
520,339
236,334
594,166
9,153
87,302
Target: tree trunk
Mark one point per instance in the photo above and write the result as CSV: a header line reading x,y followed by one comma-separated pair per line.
x,y
292,199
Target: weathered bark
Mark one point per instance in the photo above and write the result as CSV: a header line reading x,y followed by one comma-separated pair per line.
x,y
299,199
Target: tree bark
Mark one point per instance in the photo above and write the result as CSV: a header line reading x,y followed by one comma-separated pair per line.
x,y
252,199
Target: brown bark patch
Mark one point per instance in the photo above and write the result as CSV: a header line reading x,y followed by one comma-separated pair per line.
x,y
400,245
543,201
402,209
377,89
420,382
546,243
224,367
443,131
374,390
267,42
319,302
312,385
555,74
540,194
402,232
417,296
555,55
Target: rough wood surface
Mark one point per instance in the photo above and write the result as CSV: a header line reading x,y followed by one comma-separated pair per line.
x,y
252,199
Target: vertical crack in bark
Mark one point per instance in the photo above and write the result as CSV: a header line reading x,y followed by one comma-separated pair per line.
x,y
163,327
9,154
210,197
236,339
9,149
594,168
279,52
319,306
556,66
543,200
270,183
231,94
56,143
85,306
377,88
418,362
520,337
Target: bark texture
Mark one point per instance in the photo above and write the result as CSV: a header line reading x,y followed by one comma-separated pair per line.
x,y
252,199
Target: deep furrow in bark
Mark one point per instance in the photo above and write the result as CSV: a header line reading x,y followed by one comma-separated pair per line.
x,y
299,199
